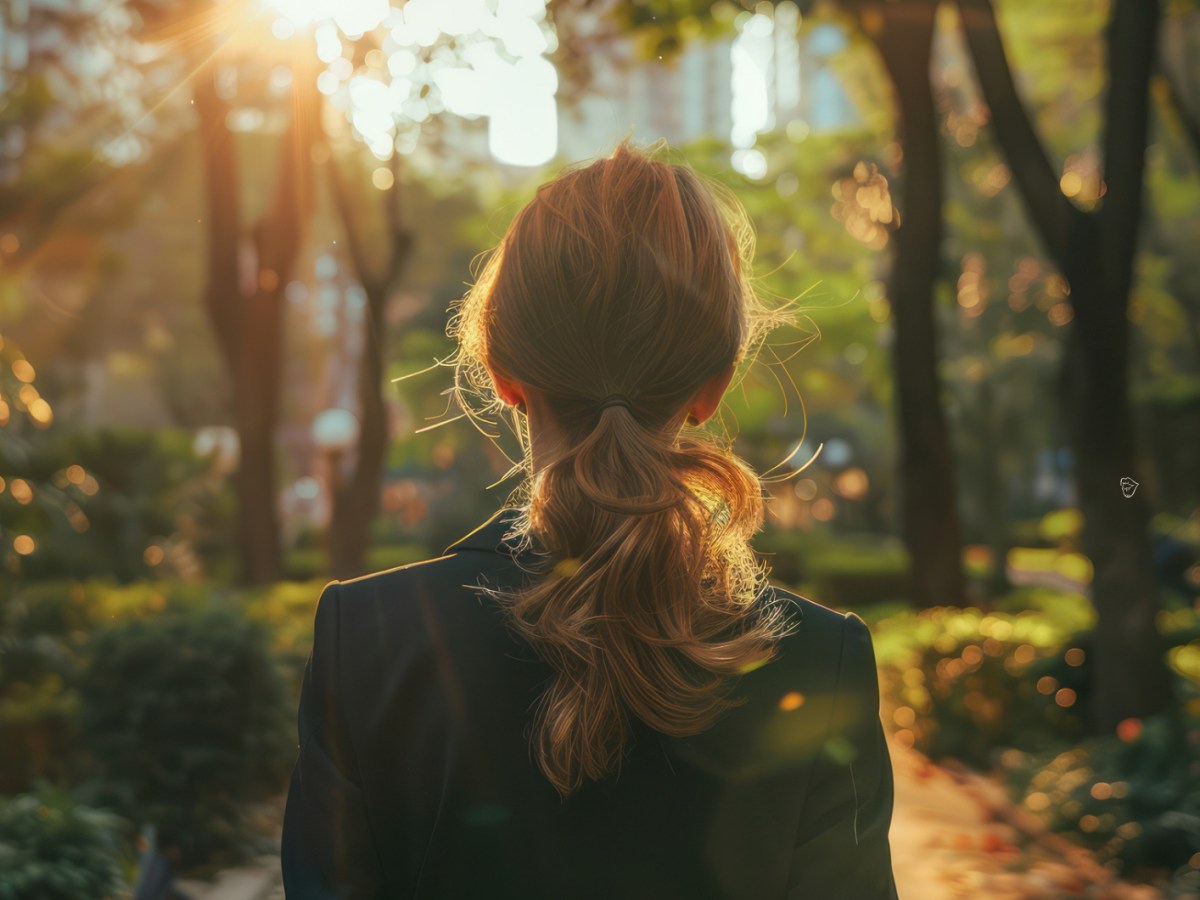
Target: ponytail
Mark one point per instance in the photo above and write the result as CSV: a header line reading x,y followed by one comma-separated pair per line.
x,y
656,609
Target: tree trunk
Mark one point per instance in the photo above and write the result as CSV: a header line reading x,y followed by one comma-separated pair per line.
x,y
991,489
1179,105
257,528
1173,61
930,522
1129,678
222,194
356,500
1128,673
1095,253
248,318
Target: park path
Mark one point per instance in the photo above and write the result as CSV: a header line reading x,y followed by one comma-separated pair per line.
x,y
955,835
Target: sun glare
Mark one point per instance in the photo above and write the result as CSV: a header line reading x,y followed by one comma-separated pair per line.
x,y
471,58
354,17
752,61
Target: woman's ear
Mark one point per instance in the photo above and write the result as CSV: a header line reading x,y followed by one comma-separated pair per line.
x,y
507,389
708,398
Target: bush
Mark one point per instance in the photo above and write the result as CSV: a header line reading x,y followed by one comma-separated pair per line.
x,y
971,683
41,632
288,609
1133,797
45,629
57,608
840,570
187,718
1011,688
138,487
52,848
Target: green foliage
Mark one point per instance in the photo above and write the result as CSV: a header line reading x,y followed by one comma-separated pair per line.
x,y
28,663
662,27
42,630
57,608
132,488
53,848
313,562
1058,52
287,610
187,719
46,633
1011,689
839,570
976,682
1070,613
1134,797
1062,526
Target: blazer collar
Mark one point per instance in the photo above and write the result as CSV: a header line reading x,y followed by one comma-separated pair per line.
x,y
490,536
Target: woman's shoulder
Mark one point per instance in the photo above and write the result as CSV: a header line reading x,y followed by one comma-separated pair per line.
x,y
786,708
815,622
829,647
400,603
447,573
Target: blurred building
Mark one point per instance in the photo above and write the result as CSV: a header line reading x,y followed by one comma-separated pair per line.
x,y
768,75
680,100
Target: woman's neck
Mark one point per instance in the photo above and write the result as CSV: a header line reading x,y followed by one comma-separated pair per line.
x,y
546,440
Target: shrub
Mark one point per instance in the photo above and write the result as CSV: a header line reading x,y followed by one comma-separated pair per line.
x,y
187,718
57,608
138,487
41,632
288,609
1012,687
1133,797
55,849
971,683
839,570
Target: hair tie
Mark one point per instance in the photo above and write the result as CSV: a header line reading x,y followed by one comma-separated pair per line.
x,y
613,400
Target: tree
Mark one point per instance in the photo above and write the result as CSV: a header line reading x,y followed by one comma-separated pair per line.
x,y
903,33
1095,252
49,103
247,314
356,499
392,71
248,266
1177,73
1176,87
70,160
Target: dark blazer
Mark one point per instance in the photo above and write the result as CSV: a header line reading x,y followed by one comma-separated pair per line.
x,y
414,777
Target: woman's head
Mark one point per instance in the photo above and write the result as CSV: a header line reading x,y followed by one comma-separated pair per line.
x,y
621,276
628,276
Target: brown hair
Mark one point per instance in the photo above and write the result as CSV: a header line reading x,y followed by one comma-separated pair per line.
x,y
629,275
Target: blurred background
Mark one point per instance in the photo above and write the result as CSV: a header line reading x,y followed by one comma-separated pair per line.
x,y
230,233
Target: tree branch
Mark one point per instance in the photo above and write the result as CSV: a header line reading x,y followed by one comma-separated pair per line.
x,y
354,239
1172,87
401,237
1052,214
1132,37
1188,119
280,232
375,280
